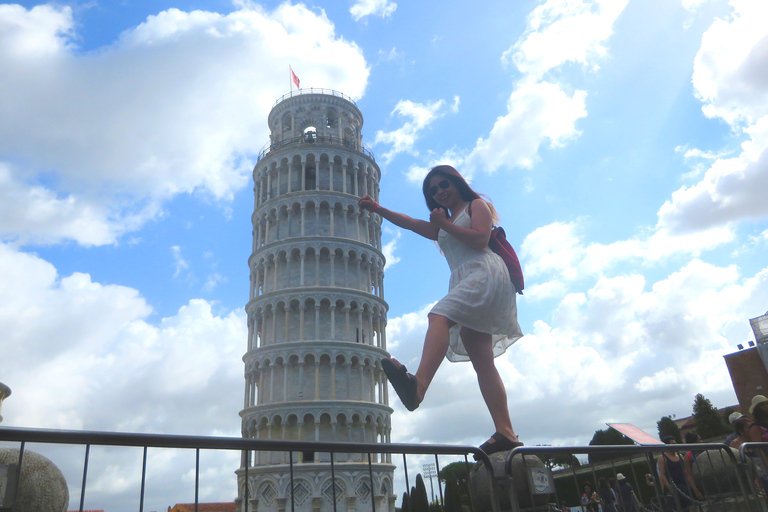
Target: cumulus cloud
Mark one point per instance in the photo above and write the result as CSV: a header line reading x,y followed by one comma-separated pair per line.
x,y
562,31
730,73
542,111
101,140
82,355
624,340
418,117
537,112
364,8
390,247
731,80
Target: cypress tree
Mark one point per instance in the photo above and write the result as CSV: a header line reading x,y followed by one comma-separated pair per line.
x,y
668,427
405,507
709,424
419,501
452,498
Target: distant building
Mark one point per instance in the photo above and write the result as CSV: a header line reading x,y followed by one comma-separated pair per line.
x,y
749,366
688,424
204,507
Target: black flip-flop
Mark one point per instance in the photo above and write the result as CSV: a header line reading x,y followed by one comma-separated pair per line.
x,y
404,383
501,444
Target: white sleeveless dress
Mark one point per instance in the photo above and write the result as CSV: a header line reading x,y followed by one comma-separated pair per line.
x,y
481,295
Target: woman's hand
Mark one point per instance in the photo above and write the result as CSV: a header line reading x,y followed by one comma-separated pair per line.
x,y
438,217
367,203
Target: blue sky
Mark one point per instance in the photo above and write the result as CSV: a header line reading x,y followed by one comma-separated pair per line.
x,y
624,143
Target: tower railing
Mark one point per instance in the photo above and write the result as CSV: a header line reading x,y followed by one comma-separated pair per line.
x,y
313,138
314,90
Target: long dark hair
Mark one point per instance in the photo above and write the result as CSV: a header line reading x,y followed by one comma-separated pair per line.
x,y
465,191
761,416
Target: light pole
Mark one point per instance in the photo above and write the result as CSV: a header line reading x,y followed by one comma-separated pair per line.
x,y
429,472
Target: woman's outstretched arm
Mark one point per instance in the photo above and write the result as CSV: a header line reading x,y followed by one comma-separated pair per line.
x,y
420,227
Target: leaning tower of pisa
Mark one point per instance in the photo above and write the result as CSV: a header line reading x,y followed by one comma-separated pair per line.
x,y
316,314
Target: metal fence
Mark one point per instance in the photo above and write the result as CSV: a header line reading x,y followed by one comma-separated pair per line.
x,y
730,480
244,446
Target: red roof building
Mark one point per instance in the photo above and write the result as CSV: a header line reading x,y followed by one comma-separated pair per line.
x,y
204,507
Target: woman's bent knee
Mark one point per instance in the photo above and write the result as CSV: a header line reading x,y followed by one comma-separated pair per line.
x,y
440,320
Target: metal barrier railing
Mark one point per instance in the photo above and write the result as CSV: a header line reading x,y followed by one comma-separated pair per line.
x,y
730,479
244,446
727,479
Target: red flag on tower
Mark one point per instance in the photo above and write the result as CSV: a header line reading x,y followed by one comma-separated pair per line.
x,y
294,78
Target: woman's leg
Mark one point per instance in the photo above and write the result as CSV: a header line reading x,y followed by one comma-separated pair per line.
x,y
432,355
480,351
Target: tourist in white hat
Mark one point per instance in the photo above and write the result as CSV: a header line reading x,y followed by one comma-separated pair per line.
x,y
758,432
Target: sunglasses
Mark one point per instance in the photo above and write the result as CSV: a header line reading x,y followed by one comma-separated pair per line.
x,y
433,189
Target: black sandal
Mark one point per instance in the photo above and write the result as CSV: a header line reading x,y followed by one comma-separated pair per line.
x,y
404,383
501,444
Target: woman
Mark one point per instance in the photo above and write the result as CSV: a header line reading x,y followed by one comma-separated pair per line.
x,y
607,496
758,433
741,427
626,494
590,499
477,320
676,479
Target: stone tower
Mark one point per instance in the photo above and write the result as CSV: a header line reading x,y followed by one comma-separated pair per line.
x,y
316,314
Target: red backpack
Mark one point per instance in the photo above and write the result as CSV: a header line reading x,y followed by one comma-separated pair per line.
x,y
499,244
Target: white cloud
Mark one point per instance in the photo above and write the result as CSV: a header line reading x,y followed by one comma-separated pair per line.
x,y
81,355
731,68
364,8
731,190
179,262
101,140
562,31
623,341
555,257
419,116
539,111
390,247
95,341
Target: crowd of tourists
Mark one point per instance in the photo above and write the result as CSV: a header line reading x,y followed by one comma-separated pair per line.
x,y
674,469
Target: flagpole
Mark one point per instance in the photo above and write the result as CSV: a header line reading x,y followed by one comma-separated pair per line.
x,y
290,79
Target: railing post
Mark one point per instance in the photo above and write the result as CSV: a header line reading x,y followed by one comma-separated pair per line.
x,y
143,479
197,477
85,475
439,483
373,487
245,490
333,482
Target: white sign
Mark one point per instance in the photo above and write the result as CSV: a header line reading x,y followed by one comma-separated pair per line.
x,y
541,481
3,482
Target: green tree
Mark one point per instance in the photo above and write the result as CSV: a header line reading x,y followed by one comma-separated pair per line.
x,y
457,472
668,427
405,507
452,497
609,436
709,423
419,502
559,460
